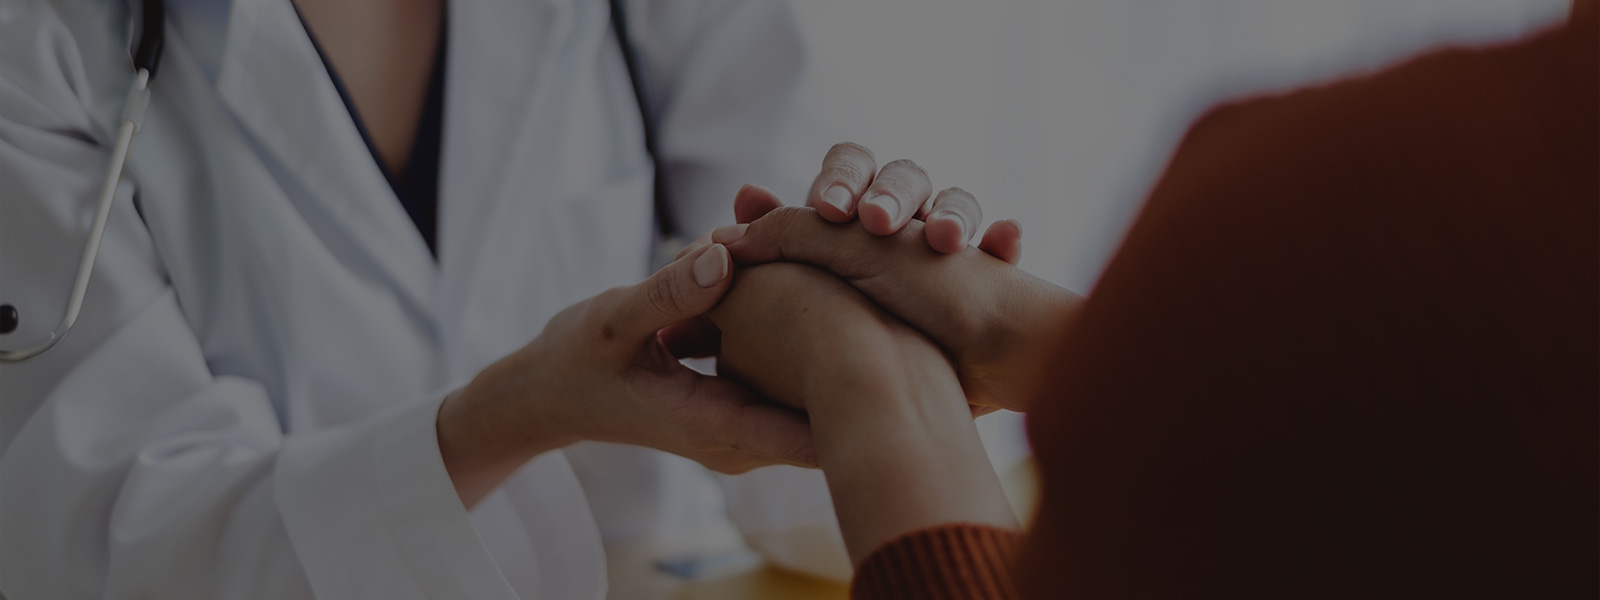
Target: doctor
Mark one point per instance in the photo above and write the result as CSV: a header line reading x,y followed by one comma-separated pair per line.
x,y
327,318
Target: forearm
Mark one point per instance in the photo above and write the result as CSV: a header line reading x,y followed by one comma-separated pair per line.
x,y
490,428
903,460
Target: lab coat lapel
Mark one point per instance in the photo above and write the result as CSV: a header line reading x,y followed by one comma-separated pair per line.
x,y
502,55
273,80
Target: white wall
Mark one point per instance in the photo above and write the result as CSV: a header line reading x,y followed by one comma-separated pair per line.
x,y
1060,113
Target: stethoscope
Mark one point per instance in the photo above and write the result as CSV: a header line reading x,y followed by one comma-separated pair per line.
x,y
147,56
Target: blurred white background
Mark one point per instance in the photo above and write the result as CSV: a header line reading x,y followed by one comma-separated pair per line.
x,y
1060,113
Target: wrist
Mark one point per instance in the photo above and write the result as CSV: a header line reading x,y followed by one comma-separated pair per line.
x,y
899,458
1016,340
1027,311
882,376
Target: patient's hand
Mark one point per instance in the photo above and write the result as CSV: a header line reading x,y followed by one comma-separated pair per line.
x,y
888,417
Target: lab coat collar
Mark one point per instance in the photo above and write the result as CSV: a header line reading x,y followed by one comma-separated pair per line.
x,y
272,79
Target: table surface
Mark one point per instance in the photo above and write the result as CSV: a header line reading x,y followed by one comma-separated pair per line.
x,y
634,575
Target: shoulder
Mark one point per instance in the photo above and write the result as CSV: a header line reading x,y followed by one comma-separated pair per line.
x,y
1334,204
1397,143
1391,119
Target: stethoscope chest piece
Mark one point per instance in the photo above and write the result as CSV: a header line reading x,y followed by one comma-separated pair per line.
x,y
8,318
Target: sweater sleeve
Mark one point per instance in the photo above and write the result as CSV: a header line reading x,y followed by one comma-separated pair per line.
x,y
948,562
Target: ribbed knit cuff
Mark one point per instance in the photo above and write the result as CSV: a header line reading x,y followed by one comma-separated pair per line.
x,y
948,562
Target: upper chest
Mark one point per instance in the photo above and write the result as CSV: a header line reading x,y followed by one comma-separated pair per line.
x,y
384,54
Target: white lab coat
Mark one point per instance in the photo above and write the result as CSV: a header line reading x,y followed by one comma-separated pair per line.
x,y
246,407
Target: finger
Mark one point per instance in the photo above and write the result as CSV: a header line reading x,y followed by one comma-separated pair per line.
x,y
797,235
896,194
1003,240
764,430
750,203
753,202
776,433
685,289
847,170
952,220
693,338
721,235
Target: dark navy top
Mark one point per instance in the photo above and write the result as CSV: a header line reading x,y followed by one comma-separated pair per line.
x,y
418,188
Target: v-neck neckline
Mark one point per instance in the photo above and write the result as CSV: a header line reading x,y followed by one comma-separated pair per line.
x,y
418,188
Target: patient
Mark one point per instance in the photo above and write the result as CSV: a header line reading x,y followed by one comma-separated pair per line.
x,y
1349,349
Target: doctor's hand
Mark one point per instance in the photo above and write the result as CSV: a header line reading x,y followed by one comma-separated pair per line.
x,y
996,321
600,372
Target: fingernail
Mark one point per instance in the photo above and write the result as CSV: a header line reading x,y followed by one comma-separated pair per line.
x,y
712,266
950,215
728,234
889,204
838,196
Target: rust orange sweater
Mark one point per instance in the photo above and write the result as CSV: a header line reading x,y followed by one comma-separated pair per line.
x,y
1349,349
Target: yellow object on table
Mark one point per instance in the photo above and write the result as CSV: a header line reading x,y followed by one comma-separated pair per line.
x,y
635,576
765,583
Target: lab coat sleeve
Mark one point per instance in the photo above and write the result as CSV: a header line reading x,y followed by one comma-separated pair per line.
x,y
737,102
129,469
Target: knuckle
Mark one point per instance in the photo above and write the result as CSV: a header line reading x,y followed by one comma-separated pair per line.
x,y
784,213
800,452
662,292
842,172
850,150
960,202
599,315
906,164
780,224
956,193
906,179
604,304
848,162
854,263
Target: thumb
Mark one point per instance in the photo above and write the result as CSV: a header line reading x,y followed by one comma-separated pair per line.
x,y
753,202
687,288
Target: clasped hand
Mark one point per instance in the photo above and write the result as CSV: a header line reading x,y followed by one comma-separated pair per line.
x,y
884,340
895,307
989,316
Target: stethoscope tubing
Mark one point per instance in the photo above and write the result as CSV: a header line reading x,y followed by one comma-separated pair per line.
x,y
132,117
